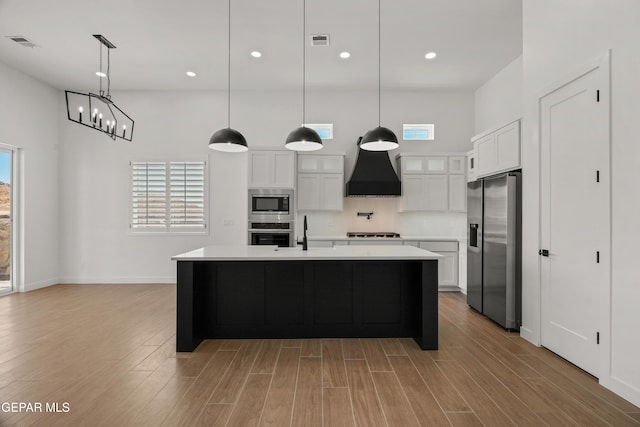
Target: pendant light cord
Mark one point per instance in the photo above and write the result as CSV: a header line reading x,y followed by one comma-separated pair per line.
x,y
100,77
109,72
304,57
379,38
229,71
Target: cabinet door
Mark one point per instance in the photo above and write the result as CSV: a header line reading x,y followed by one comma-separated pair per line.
x,y
437,191
409,165
486,155
333,164
457,193
507,142
436,165
307,163
414,196
448,269
456,164
320,243
260,169
283,169
365,242
308,191
331,194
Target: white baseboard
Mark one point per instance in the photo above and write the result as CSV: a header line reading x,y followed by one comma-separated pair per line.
x,y
623,389
38,285
528,335
448,289
116,280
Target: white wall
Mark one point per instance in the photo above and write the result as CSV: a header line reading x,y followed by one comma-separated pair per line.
x,y
559,36
29,118
98,246
499,100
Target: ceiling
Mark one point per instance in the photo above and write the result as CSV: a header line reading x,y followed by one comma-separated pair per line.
x,y
159,40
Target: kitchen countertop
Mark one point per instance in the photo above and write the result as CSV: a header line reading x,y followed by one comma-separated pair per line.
x,y
273,253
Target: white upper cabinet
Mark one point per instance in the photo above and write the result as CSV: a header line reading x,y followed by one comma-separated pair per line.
x,y
433,183
457,193
472,166
271,169
457,164
497,151
424,164
320,182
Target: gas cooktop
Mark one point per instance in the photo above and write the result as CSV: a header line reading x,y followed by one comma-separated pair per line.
x,y
372,234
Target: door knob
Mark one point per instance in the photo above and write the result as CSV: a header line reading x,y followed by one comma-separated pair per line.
x,y
543,252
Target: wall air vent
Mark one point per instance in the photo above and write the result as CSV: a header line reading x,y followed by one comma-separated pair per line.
x,y
320,40
22,41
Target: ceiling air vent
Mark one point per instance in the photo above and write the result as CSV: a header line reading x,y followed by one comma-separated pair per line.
x,y
22,41
320,40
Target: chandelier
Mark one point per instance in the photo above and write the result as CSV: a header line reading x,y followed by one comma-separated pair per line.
x,y
98,111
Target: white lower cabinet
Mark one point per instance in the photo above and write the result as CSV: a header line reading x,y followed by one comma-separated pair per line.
x,y
448,264
375,242
320,243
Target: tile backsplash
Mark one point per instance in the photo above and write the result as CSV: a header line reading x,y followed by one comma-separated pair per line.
x,y
385,218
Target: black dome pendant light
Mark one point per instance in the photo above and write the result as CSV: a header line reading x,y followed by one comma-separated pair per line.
x,y
380,138
229,140
303,138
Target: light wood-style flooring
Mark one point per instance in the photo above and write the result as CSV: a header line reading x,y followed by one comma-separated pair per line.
x,y
109,351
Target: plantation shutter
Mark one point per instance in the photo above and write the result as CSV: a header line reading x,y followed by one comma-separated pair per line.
x,y
187,201
149,195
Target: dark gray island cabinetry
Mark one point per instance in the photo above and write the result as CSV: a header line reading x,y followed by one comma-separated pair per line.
x,y
268,292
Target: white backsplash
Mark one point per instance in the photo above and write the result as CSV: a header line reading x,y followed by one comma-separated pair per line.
x,y
385,218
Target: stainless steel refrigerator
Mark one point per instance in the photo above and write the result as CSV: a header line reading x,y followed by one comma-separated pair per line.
x,y
494,257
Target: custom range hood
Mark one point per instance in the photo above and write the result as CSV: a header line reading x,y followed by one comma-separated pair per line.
x,y
373,176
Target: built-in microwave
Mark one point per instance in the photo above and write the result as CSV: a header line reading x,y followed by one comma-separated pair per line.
x,y
271,204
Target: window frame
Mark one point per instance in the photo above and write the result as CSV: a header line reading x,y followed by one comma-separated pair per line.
x,y
429,127
321,126
167,229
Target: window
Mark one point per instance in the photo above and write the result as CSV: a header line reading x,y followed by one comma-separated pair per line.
x,y
418,132
168,196
325,131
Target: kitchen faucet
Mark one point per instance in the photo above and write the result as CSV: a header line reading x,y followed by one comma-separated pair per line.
x,y
304,237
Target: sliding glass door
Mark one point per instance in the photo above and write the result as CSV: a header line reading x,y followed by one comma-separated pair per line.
x,y
6,221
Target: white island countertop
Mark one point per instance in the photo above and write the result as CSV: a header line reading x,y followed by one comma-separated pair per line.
x,y
337,253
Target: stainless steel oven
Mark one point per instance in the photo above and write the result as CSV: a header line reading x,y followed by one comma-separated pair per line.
x,y
271,233
271,204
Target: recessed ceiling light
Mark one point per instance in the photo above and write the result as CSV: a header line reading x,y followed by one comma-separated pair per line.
x,y
256,54
344,55
100,74
191,74
430,55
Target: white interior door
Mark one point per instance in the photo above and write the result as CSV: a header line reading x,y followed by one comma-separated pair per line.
x,y
575,217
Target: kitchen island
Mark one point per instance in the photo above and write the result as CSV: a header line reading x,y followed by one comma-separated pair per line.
x,y
339,292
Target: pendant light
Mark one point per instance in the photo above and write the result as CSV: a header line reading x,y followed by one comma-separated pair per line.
x,y
229,140
303,138
380,138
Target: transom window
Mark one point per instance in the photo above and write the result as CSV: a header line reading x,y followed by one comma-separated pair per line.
x,y
417,132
